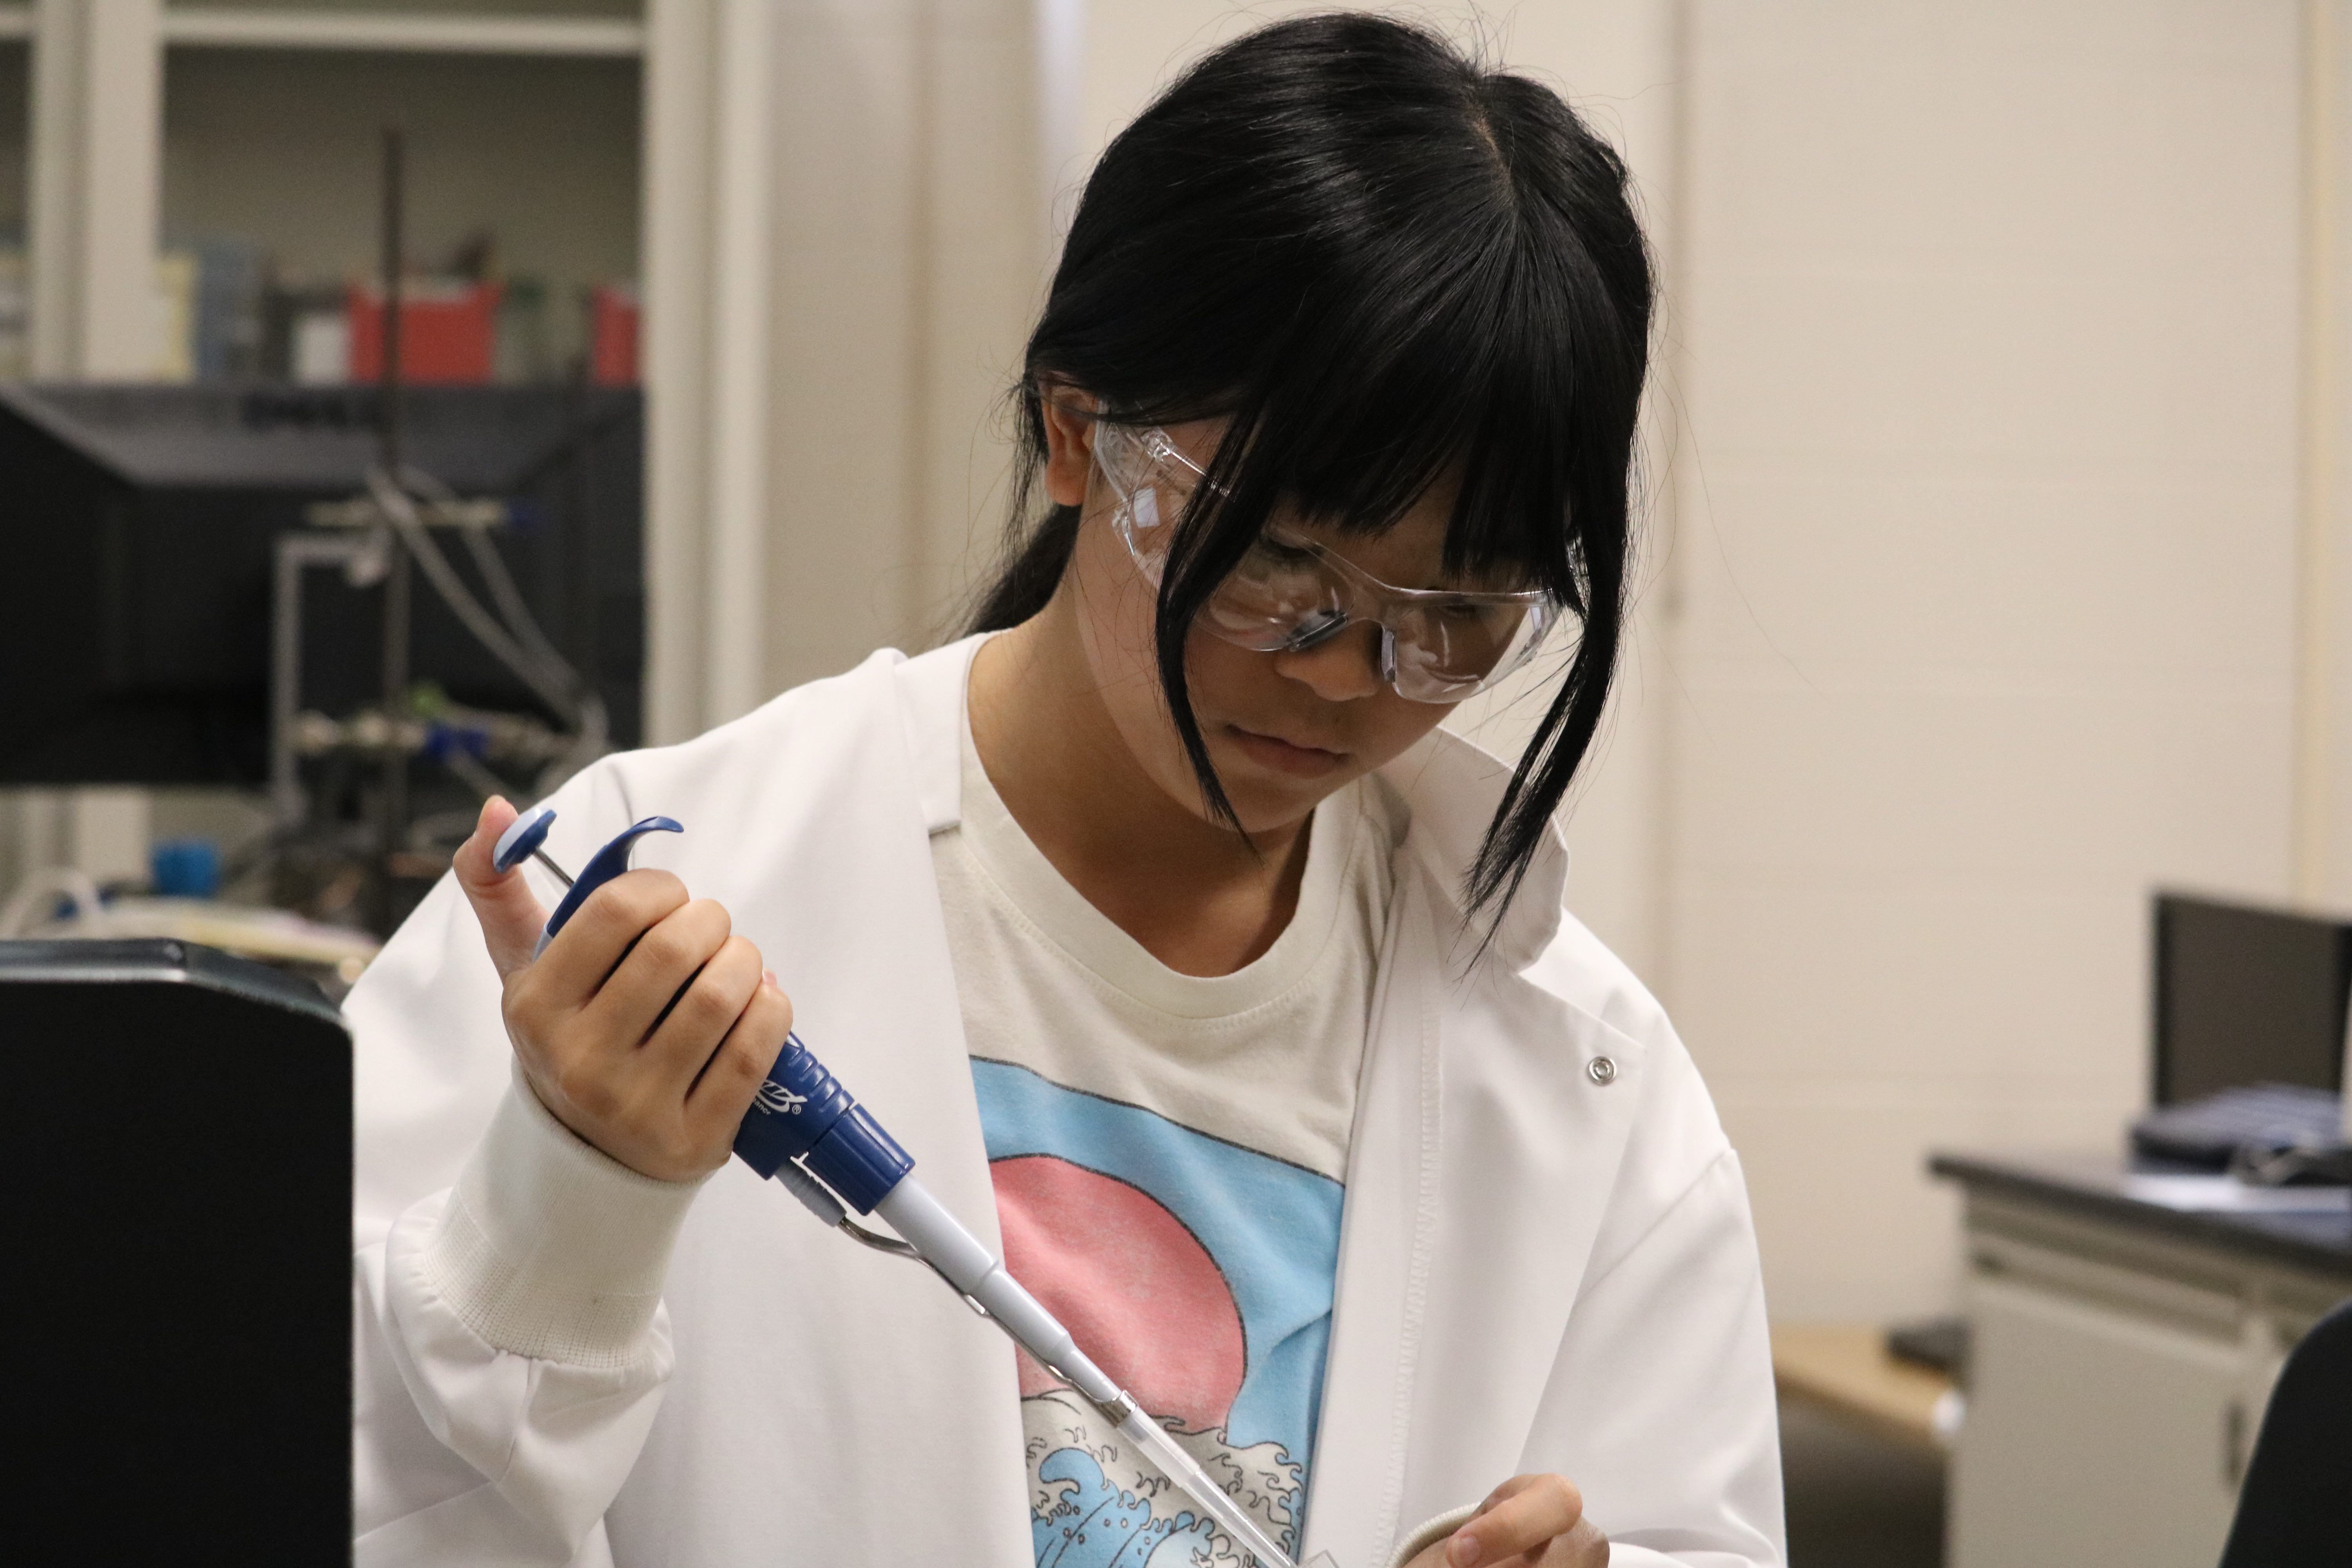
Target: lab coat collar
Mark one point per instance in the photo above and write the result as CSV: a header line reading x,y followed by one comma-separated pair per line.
x,y
1452,788
1449,787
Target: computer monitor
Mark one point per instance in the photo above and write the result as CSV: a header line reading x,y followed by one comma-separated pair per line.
x,y
137,527
178,1167
2246,995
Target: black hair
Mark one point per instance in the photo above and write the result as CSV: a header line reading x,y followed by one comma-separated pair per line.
x,y
1383,264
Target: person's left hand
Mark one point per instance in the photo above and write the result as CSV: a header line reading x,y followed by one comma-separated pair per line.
x,y
1529,1521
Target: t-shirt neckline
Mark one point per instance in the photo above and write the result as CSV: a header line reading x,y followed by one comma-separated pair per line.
x,y
1061,914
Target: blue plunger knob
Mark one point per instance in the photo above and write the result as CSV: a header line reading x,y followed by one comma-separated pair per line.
x,y
522,837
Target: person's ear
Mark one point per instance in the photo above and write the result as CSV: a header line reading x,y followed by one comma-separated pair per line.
x,y
1069,441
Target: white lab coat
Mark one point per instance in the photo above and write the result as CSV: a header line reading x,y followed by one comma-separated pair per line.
x,y
1544,1265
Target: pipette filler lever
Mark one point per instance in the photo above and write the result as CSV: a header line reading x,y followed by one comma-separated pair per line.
x,y
807,1131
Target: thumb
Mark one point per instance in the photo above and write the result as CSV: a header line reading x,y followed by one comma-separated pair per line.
x,y
510,913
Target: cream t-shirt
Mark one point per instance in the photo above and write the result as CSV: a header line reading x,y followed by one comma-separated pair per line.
x,y
1167,1152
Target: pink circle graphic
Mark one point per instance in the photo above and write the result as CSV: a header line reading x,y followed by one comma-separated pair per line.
x,y
1143,1297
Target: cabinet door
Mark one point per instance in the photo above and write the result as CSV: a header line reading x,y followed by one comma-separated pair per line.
x,y
2095,1436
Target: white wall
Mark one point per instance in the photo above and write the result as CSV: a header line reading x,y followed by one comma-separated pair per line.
x,y
2330,474
912,259
846,236
1989,566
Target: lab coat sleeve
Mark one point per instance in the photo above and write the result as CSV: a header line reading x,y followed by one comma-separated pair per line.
x,y
510,1345
1660,1404
512,1350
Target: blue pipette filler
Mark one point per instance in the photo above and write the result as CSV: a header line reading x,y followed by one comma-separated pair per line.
x,y
807,1131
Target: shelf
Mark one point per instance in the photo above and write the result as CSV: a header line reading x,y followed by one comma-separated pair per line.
x,y
382,30
390,32
538,152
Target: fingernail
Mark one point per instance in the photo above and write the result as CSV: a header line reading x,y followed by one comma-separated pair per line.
x,y
770,976
1464,1551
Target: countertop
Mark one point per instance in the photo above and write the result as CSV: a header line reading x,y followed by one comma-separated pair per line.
x,y
2148,1197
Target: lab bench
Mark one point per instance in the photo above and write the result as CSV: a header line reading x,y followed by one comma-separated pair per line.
x,y
2126,1336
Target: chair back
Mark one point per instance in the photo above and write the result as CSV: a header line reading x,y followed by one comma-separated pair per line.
x,y
2295,1507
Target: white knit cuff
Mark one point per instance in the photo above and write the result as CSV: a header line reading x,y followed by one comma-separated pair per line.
x,y
550,1249
1429,1534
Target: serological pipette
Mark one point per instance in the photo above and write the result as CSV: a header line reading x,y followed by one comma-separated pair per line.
x,y
807,1132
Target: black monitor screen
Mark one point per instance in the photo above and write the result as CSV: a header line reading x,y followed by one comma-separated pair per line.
x,y
2247,996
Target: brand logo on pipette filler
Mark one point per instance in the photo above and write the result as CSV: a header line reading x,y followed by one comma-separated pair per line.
x,y
777,1100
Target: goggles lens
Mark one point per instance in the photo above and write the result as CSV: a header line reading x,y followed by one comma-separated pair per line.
x,y
1290,593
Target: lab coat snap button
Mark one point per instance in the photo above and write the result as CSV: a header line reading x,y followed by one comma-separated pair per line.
x,y
1601,1070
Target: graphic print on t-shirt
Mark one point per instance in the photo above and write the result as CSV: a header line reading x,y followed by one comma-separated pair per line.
x,y
1199,1275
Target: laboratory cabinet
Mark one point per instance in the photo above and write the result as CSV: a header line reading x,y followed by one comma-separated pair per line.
x,y
2124,1343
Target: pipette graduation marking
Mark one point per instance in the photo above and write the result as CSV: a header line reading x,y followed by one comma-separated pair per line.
x,y
805,1131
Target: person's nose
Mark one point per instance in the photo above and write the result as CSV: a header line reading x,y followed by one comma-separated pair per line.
x,y
1340,669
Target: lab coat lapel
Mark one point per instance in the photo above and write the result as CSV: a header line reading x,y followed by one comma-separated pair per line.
x,y
831,875
1388,1228
1529,1144
1479,1167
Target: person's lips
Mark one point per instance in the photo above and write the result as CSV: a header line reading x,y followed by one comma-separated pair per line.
x,y
1284,756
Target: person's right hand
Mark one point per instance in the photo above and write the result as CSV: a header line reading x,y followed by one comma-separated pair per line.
x,y
647,1026
1529,1521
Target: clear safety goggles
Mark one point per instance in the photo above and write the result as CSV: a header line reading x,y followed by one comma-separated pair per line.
x,y
1289,593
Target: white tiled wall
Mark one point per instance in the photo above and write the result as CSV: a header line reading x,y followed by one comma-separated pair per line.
x,y
1987,562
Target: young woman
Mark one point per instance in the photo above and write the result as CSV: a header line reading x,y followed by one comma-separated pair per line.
x,y
1163,926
